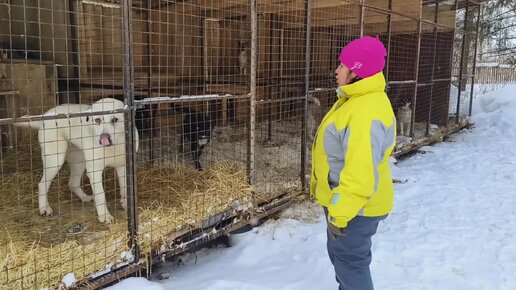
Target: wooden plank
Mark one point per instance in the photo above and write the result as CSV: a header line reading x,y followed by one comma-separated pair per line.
x,y
34,87
187,39
322,59
90,33
112,37
279,7
8,93
139,41
211,48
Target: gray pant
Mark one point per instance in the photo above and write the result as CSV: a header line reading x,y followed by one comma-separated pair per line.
x,y
351,254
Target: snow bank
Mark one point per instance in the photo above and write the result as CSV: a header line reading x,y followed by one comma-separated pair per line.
x,y
497,111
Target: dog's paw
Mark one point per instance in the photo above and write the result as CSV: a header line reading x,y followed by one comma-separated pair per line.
x,y
87,198
46,211
106,218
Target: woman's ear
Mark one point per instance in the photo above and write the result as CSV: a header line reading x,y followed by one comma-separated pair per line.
x,y
351,77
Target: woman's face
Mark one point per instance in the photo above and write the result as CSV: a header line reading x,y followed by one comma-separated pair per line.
x,y
343,75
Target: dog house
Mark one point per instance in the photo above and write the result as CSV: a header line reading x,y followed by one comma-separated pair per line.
x,y
230,87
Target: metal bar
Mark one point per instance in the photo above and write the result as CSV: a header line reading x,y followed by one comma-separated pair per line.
x,y
269,123
149,76
434,53
182,99
377,9
450,129
282,40
387,11
75,50
461,68
129,127
273,26
475,60
36,118
304,155
402,82
361,20
319,90
205,52
251,142
466,75
265,209
166,3
210,234
441,80
467,2
389,32
272,101
452,53
416,74
111,277
436,24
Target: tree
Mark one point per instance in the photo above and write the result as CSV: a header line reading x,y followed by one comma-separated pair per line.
x,y
497,35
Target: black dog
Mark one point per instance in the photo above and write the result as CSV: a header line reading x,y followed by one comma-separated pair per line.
x,y
198,129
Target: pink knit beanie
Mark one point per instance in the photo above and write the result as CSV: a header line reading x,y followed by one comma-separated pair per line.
x,y
364,56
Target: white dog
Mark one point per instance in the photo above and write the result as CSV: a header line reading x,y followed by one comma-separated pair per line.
x,y
89,143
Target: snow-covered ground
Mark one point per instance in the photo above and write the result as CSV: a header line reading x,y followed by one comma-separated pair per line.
x,y
453,226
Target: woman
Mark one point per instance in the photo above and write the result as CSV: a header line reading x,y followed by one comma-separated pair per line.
x,y
351,177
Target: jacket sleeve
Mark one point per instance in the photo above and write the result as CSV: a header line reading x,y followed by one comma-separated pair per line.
x,y
359,177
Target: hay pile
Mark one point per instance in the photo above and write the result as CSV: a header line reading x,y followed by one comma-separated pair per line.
x,y
171,198
36,252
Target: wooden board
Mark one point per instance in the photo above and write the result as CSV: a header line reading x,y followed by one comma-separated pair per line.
x,y
36,84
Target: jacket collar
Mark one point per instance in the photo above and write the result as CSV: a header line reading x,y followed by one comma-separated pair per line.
x,y
374,83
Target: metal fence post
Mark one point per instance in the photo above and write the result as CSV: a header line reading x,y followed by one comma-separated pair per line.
x,y
361,19
129,125
461,68
432,74
304,161
416,77
75,86
389,33
479,13
251,141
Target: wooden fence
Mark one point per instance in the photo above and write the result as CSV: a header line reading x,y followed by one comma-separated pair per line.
x,y
495,74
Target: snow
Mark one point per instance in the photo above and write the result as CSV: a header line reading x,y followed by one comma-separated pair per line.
x,y
136,284
68,279
452,228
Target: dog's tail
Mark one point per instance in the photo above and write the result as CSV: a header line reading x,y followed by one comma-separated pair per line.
x,y
27,124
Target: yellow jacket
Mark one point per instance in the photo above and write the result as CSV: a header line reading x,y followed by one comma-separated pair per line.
x,y
350,155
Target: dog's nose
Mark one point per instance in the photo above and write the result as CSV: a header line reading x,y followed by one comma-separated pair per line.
x,y
105,139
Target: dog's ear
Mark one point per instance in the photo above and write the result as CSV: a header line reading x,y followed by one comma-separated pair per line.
x,y
87,118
